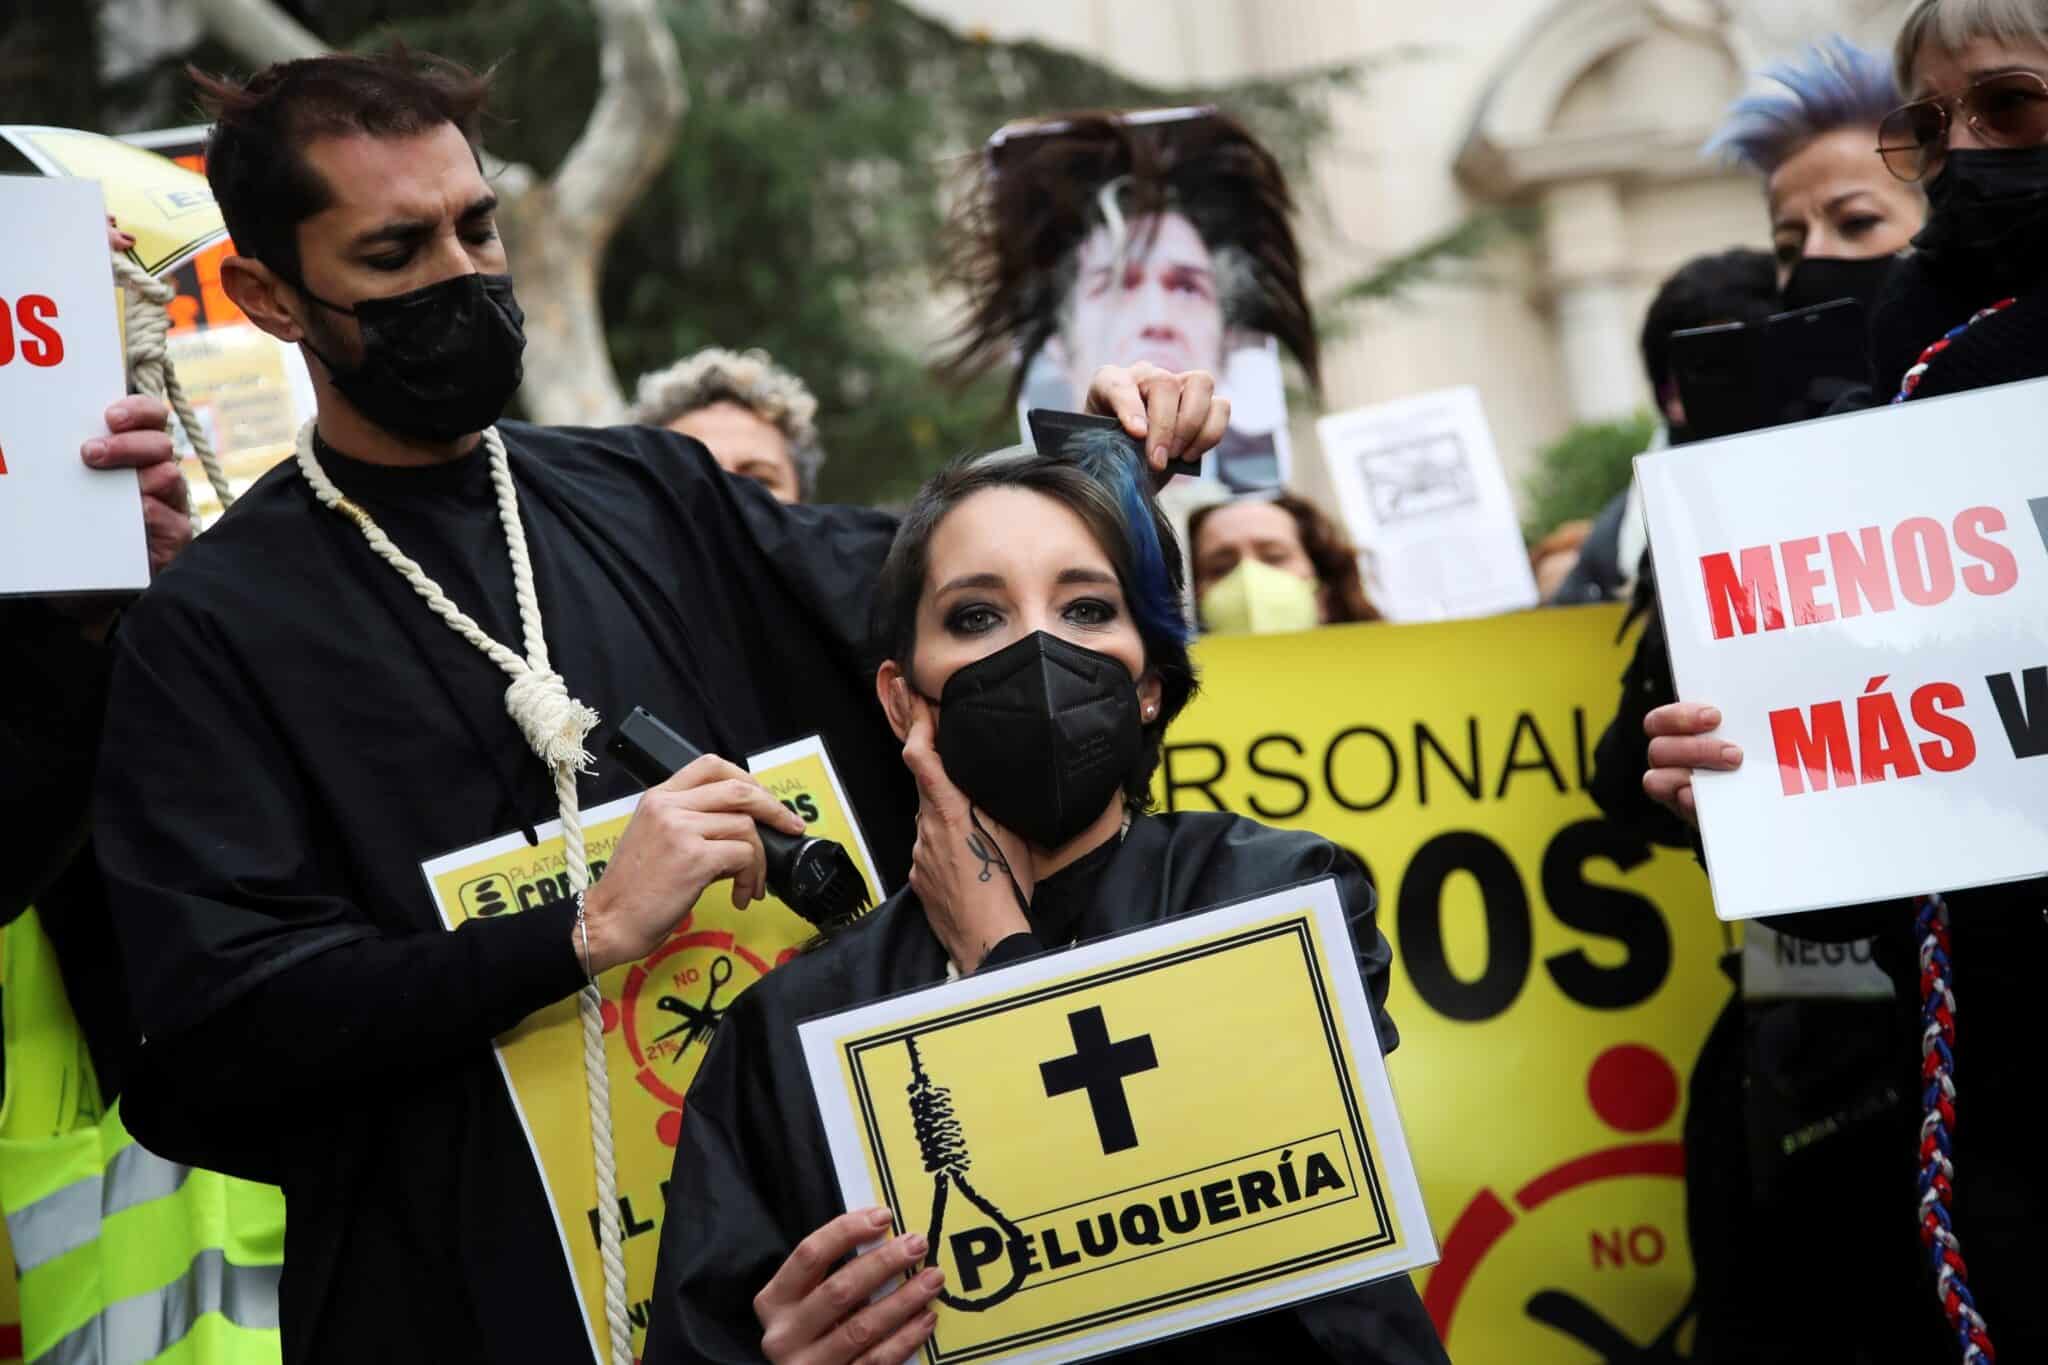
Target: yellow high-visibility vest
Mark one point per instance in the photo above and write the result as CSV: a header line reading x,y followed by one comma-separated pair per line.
x,y
123,1257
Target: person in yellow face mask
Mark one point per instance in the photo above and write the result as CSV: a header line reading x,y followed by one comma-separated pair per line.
x,y
1272,563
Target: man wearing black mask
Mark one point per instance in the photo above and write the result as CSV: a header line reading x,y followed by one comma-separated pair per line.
x,y
315,700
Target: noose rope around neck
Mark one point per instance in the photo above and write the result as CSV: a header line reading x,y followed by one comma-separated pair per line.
x,y
943,1146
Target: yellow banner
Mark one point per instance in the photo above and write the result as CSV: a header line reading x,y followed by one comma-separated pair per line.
x,y
1553,977
660,1014
1133,1138
249,390
168,209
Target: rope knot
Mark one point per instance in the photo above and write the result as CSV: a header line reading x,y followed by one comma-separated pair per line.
x,y
133,277
554,722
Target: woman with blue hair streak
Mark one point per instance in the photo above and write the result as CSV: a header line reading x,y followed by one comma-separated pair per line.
x,y
1813,138
1035,653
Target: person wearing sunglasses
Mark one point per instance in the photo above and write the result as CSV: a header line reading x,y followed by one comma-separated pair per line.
x,y
1976,133
1973,133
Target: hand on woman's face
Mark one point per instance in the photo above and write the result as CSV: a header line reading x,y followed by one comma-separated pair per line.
x,y
1007,562
1835,199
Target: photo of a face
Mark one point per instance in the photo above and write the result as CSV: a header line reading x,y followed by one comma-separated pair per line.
x,y
1143,237
1148,293
1150,290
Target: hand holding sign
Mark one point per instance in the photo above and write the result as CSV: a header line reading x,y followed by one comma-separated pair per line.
x,y
1861,598
138,438
1140,1135
1682,742
817,1316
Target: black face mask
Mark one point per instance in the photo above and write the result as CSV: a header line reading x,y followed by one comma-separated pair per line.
x,y
1823,279
1042,735
1987,227
439,363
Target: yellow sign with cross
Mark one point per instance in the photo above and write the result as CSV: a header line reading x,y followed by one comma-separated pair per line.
x,y
1133,1138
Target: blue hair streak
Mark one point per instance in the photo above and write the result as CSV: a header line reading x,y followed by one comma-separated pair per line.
x,y
1115,461
1835,84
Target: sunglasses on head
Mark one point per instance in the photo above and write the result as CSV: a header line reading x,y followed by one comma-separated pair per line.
x,y
2009,109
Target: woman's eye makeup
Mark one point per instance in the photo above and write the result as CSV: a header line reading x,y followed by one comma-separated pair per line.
x,y
1091,611
973,618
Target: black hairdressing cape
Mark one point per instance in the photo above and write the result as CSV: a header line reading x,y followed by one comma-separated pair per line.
x,y
753,1176
292,732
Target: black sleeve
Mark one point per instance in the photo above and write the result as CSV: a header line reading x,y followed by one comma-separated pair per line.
x,y
361,1018
1375,954
1846,924
53,688
723,1238
1596,577
1014,949
258,983
1622,755
824,557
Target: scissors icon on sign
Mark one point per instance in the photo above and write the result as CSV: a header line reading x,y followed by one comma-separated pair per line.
x,y
700,1021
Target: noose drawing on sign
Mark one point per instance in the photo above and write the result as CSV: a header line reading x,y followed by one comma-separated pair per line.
x,y
944,1148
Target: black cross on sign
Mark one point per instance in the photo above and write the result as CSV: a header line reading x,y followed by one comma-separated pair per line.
x,y
1099,1066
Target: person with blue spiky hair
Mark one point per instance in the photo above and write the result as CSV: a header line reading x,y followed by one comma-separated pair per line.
x,y
1837,216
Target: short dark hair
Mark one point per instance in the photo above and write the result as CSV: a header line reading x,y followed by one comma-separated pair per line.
x,y
1729,286
1329,551
1094,480
255,152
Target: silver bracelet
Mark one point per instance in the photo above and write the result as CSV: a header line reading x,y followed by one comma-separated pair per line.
x,y
583,929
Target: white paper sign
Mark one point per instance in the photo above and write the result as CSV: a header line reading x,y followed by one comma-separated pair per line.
x,y
63,527
1865,599
1424,497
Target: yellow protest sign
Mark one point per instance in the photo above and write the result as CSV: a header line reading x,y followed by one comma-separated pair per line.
x,y
249,390
168,209
1554,977
660,1014
1133,1138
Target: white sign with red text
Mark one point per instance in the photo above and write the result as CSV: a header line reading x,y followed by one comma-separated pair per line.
x,y
64,528
1865,599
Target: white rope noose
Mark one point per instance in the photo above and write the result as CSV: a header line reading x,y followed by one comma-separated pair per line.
x,y
148,329
555,724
